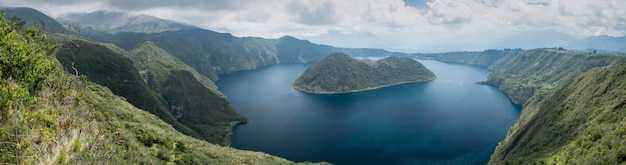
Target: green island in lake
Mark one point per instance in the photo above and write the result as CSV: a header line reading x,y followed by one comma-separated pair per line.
x,y
340,73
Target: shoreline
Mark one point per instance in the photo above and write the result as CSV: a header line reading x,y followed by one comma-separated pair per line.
x,y
361,90
229,132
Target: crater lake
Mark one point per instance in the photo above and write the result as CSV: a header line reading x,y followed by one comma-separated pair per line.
x,y
450,120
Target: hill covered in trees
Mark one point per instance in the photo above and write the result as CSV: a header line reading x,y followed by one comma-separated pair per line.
x,y
340,73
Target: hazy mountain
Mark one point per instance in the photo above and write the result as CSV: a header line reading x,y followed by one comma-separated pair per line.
x,y
121,22
605,43
340,73
34,17
536,39
553,39
483,58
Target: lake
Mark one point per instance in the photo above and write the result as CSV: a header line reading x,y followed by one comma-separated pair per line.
x,y
451,120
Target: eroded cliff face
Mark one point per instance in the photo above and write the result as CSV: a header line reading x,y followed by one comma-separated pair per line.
x,y
583,122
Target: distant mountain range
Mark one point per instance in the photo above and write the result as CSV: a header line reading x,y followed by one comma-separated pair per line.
x,y
212,53
121,22
551,39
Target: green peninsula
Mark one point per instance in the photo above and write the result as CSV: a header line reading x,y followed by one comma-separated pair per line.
x,y
340,73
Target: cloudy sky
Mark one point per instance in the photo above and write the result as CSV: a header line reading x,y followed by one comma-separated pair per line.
x,y
402,25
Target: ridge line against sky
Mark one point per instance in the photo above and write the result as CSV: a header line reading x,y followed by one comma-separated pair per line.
x,y
405,25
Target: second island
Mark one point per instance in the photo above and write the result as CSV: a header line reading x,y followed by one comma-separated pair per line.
x,y
340,73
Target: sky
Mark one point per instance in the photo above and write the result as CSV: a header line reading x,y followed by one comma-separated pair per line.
x,y
399,25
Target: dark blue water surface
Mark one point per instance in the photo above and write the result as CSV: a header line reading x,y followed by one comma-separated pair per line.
x,y
450,120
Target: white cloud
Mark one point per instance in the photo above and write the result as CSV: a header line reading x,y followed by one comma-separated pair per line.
x,y
438,21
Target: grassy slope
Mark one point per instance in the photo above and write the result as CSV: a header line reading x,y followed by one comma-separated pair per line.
x,y
33,17
340,73
523,75
581,123
110,68
192,97
78,122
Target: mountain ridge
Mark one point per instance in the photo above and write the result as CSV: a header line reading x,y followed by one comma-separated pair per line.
x,y
582,122
213,53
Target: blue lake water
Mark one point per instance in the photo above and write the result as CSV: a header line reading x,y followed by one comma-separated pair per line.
x,y
450,120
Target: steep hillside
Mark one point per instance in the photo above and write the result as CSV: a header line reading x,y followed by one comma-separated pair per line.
x,y
340,73
212,53
483,59
204,115
525,74
34,17
584,122
50,117
113,22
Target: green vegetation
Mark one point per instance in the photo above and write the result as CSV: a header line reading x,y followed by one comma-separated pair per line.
x,y
483,59
565,120
525,74
581,123
203,115
51,117
113,22
211,53
340,73
199,108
